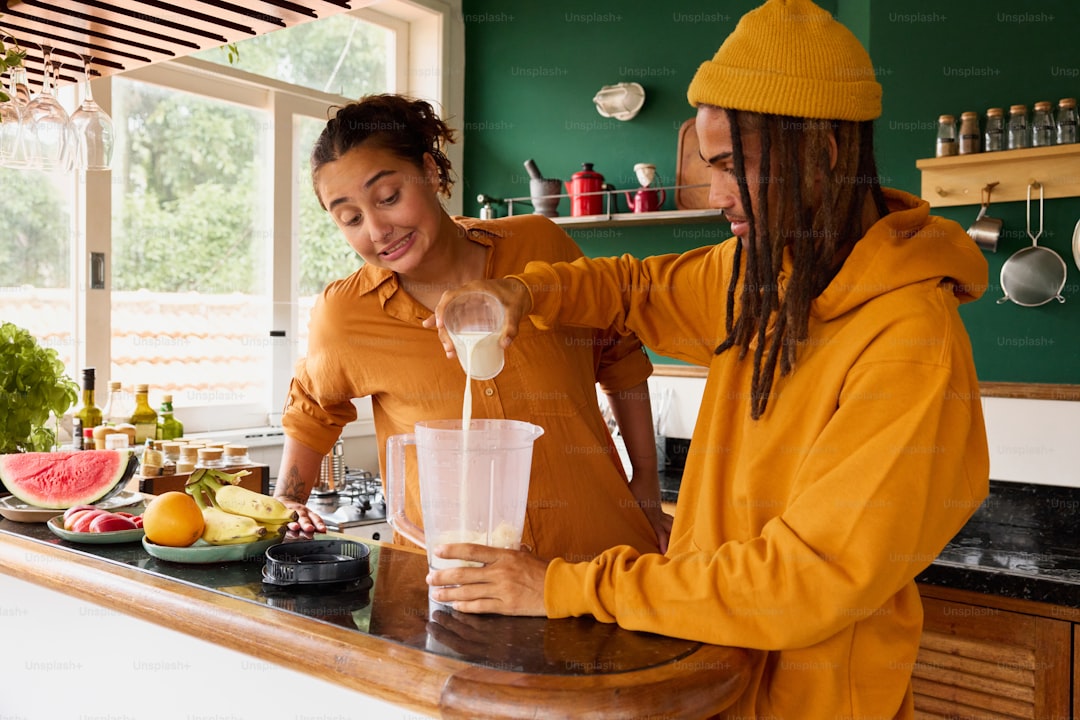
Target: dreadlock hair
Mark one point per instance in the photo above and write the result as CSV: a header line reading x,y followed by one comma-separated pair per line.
x,y
406,127
818,215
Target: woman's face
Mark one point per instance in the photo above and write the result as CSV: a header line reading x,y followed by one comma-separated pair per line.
x,y
386,207
716,147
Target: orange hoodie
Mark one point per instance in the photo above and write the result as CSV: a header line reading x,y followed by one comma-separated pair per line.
x,y
801,533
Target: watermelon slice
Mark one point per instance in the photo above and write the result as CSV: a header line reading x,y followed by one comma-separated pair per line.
x,y
59,480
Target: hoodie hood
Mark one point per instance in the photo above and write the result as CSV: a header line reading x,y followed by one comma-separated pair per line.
x,y
905,247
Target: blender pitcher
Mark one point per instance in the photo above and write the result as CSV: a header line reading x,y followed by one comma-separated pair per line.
x,y
474,483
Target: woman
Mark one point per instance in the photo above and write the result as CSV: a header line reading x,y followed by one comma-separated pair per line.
x,y
840,441
378,168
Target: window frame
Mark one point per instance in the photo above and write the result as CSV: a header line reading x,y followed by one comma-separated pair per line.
x,y
427,33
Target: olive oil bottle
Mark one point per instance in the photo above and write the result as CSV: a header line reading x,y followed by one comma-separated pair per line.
x,y
143,417
88,413
168,427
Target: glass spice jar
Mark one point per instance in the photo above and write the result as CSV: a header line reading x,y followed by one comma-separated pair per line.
x,y
946,136
1017,131
1066,124
236,455
969,133
994,134
1042,126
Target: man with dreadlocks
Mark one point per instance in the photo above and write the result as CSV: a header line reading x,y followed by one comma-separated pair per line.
x,y
840,441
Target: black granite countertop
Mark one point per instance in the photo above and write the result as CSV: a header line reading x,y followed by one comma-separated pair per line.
x,y
1023,542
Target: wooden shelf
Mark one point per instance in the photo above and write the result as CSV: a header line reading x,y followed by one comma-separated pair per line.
x,y
959,179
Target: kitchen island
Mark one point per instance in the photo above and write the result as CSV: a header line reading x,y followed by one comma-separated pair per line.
x,y
375,649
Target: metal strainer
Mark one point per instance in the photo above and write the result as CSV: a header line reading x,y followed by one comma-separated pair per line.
x,y
1034,275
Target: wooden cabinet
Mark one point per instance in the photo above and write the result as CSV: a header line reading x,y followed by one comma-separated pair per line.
x,y
981,658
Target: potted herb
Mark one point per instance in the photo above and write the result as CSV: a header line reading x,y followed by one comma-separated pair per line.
x,y
10,57
33,384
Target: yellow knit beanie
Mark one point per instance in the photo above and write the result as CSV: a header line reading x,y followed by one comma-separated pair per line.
x,y
790,57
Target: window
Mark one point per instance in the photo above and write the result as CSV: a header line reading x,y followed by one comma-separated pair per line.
x,y
190,246
215,242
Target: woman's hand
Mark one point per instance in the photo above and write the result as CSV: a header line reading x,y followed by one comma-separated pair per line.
x,y
661,524
510,582
307,521
512,294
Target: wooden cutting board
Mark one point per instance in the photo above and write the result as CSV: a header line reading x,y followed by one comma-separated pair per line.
x,y
690,169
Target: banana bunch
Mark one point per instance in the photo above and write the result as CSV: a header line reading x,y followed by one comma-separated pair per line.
x,y
234,514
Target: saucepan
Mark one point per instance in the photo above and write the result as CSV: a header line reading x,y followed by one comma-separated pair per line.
x,y
1035,275
986,230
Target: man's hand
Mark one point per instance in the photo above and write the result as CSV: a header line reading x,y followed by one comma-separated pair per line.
x,y
510,582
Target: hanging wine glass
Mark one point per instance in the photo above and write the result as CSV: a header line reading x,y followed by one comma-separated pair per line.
x,y
93,130
17,149
53,134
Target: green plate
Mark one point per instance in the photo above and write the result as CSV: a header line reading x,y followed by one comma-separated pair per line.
x,y
202,553
56,524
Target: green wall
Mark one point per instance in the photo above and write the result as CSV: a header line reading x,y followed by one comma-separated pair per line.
x,y
532,70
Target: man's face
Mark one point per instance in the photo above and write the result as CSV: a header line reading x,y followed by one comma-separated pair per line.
x,y
714,141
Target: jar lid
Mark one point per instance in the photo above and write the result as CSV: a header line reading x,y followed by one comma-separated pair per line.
x,y
166,398
235,450
1042,106
114,384
1067,102
142,388
189,451
993,112
171,447
969,116
1015,109
946,119
210,453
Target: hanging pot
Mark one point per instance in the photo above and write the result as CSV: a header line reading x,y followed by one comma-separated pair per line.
x,y
986,230
1035,275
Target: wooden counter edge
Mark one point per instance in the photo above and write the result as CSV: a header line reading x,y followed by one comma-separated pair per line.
x,y
408,677
702,684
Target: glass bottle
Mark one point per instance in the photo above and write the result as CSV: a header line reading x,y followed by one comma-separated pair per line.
x,y
168,427
1018,128
143,417
88,413
946,136
117,408
969,133
1042,126
1066,121
994,136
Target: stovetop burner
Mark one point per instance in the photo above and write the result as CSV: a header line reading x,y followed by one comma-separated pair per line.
x,y
359,501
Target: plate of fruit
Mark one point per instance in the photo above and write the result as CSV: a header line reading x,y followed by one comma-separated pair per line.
x,y
213,520
96,526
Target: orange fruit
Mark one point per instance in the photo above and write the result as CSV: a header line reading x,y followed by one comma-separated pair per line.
x,y
173,519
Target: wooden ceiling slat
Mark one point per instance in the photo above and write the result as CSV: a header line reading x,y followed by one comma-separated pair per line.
x,y
122,35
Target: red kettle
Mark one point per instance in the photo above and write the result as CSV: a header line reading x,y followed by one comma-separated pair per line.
x,y
586,191
645,200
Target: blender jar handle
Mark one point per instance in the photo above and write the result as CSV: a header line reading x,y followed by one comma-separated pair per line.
x,y
395,488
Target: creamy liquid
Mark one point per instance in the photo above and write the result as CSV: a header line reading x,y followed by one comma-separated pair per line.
x,y
469,342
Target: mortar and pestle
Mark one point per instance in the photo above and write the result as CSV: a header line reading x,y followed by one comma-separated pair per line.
x,y
544,192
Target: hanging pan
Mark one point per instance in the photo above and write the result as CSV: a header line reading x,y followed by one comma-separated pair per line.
x,y
1035,275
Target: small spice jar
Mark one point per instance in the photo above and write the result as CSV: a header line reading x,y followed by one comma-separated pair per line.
x,y
1066,121
1042,126
1017,130
210,458
946,136
969,133
236,455
994,135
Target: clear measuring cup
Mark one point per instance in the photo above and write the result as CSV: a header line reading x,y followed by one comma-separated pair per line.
x,y
474,483
474,321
